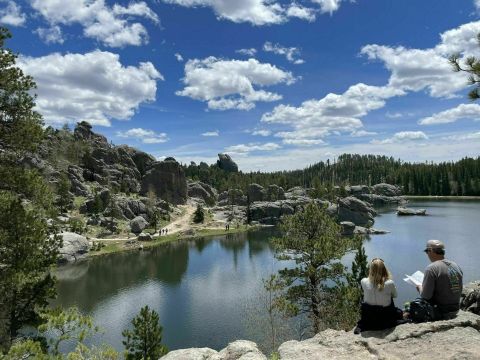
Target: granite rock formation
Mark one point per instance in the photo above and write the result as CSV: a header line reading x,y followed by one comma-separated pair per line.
x,y
356,211
402,211
470,300
232,197
167,179
74,247
202,191
237,350
226,163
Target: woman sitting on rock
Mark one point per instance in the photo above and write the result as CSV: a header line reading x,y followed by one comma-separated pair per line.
x,y
378,310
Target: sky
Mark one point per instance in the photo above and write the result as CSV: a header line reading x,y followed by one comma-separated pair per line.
x,y
277,84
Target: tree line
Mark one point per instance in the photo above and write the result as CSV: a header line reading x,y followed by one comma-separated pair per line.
x,y
455,178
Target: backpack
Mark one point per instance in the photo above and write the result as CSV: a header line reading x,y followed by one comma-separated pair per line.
x,y
421,310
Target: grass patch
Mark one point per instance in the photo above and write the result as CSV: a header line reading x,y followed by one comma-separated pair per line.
x,y
78,201
117,246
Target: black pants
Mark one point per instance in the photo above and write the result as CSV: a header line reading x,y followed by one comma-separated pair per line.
x,y
374,317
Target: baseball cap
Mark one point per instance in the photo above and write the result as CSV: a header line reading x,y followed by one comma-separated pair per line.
x,y
435,244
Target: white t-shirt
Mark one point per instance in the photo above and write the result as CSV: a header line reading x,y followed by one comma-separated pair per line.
x,y
373,296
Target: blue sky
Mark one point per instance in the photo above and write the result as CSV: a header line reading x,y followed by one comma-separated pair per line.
x,y
278,84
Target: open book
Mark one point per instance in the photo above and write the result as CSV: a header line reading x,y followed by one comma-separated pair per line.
x,y
415,279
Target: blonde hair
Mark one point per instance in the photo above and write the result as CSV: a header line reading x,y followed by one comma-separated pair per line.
x,y
378,273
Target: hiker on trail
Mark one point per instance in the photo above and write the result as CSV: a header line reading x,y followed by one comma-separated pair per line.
x,y
378,310
443,282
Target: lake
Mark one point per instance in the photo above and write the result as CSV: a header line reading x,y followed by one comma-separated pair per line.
x,y
207,292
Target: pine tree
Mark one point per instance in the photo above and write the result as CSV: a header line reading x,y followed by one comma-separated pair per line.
x,y
144,342
313,241
27,252
64,198
199,215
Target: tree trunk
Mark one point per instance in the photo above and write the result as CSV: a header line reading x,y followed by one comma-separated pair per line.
x,y
5,338
314,304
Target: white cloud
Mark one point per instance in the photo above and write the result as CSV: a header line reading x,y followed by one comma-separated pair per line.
x,y
247,52
143,135
211,133
110,25
328,6
179,57
477,4
229,84
395,115
11,14
94,86
401,137
298,11
262,132
428,69
52,35
260,12
256,12
315,119
304,142
461,137
291,53
462,111
246,148
361,133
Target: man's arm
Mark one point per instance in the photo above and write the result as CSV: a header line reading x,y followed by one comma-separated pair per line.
x,y
428,285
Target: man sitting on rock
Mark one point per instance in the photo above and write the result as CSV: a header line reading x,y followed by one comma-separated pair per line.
x,y
442,284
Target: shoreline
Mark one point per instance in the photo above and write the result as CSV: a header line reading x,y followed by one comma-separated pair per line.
x,y
113,247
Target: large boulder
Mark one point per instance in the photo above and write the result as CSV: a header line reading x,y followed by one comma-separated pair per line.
x,y
269,212
403,211
357,189
83,131
356,211
255,192
347,228
226,163
232,197
202,191
458,338
296,192
237,350
138,224
274,193
74,247
380,200
387,189
470,300
127,208
167,179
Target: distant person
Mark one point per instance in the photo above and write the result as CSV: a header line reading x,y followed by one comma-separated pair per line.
x,y
443,282
378,310
166,231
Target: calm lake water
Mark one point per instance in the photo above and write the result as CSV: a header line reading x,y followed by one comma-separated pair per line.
x,y
207,292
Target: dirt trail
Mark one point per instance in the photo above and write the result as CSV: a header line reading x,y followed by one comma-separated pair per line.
x,y
180,224
183,222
